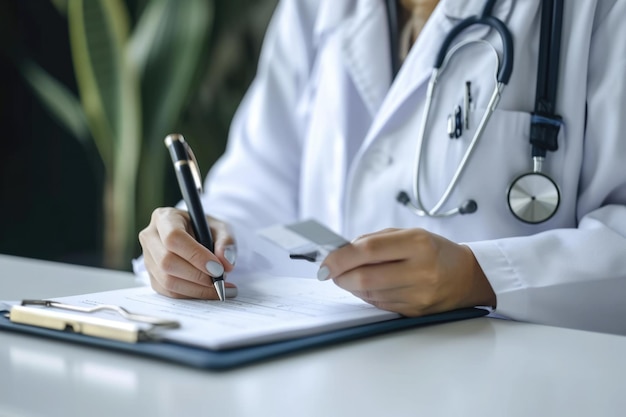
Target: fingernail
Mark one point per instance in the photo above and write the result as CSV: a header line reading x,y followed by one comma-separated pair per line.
x,y
230,292
230,253
215,269
323,273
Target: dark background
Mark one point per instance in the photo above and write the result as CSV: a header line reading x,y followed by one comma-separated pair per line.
x,y
50,183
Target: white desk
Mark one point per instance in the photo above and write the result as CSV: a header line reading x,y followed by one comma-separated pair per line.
x,y
481,366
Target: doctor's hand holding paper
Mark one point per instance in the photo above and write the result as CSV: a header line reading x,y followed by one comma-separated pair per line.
x,y
471,150
409,271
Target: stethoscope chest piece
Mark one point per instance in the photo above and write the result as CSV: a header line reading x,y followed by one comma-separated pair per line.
x,y
533,197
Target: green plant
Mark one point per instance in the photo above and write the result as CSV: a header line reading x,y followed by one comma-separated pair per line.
x,y
134,83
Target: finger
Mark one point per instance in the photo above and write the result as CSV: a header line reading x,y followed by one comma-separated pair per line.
x,y
391,300
225,248
381,277
156,285
388,230
397,301
386,246
389,306
153,269
161,262
170,263
392,286
164,278
176,239
175,287
159,278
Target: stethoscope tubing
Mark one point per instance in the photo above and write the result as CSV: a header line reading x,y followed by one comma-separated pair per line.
x,y
533,197
506,69
500,80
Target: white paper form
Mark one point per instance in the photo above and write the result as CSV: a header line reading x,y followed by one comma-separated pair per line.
x,y
267,309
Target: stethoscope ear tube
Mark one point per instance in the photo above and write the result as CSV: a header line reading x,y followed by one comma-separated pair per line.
x,y
505,70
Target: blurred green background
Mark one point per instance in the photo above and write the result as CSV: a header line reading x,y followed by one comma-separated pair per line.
x,y
54,159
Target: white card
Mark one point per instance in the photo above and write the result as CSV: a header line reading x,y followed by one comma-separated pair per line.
x,y
309,239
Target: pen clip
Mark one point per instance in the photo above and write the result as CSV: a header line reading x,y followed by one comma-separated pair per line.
x,y
183,155
193,165
467,102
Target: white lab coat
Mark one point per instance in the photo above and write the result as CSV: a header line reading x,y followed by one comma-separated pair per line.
x,y
324,133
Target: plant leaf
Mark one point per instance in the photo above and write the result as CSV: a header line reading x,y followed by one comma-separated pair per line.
x,y
107,84
147,28
61,6
167,45
58,99
109,90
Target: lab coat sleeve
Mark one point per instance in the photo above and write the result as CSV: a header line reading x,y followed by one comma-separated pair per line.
x,y
255,183
577,277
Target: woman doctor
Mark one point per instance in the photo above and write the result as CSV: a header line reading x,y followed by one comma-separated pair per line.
x,y
328,131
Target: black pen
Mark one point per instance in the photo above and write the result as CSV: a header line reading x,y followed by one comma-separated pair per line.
x,y
190,184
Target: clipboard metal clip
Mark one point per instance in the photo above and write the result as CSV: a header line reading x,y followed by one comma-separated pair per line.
x,y
140,318
134,328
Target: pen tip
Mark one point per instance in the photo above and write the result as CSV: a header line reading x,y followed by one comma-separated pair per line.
x,y
219,287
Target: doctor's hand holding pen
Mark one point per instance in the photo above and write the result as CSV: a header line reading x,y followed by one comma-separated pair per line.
x,y
178,265
409,271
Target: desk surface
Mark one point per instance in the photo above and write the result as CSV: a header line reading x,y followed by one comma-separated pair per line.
x,y
481,366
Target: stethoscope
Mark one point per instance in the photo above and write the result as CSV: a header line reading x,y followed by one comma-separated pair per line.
x,y
532,197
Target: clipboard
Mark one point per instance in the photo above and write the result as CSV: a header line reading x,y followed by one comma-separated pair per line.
x,y
142,336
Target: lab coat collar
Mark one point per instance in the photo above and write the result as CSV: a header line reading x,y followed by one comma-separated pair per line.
x,y
366,53
330,15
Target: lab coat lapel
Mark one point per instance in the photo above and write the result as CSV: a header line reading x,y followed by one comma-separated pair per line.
x,y
366,54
